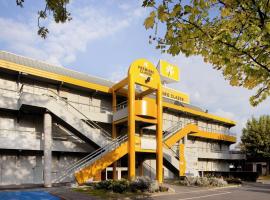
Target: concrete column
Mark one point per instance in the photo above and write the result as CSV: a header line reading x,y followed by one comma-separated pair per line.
x,y
47,149
119,173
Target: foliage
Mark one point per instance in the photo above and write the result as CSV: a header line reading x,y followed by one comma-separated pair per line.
x,y
154,187
203,181
118,186
106,185
232,35
163,188
256,137
140,184
232,180
58,10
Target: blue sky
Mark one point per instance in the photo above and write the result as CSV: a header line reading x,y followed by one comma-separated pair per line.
x,y
104,37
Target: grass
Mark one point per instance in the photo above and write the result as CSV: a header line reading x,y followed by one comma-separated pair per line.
x,y
109,195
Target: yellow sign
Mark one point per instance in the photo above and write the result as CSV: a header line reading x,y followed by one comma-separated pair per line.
x,y
144,73
169,73
175,95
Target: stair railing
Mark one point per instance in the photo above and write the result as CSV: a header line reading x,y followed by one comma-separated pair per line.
x,y
90,158
171,130
85,119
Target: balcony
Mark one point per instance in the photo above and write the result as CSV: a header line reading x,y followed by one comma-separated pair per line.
x,y
144,109
204,153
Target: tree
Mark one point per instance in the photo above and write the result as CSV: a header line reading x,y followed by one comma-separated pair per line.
x,y
58,10
232,35
256,137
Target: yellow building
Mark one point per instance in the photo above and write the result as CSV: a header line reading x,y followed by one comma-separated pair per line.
x,y
60,124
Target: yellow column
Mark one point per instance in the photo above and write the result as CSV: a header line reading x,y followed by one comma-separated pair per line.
x,y
159,151
114,133
182,160
131,128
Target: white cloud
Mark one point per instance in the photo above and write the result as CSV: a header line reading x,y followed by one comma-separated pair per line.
x,y
118,74
64,41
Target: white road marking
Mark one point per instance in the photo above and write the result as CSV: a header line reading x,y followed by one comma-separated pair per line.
x,y
205,190
210,195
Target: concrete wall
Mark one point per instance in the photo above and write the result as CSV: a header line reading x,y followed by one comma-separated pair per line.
x,y
27,167
171,118
94,105
149,169
25,132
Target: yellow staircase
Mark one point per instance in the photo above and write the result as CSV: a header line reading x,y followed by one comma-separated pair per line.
x,y
179,134
92,165
104,161
170,138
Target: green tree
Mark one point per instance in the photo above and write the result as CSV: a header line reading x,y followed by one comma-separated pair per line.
x,y
55,7
256,137
232,35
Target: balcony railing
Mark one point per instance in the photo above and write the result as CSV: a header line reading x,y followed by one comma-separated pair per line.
x,y
121,105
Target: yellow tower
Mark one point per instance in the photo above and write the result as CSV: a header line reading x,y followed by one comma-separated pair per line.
x,y
143,79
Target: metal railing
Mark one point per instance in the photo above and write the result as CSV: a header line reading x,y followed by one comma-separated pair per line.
x,y
121,105
151,170
32,88
95,155
69,135
172,151
68,105
171,130
214,130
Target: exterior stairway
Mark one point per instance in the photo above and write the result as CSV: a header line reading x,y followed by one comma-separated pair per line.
x,y
92,164
170,137
98,160
87,129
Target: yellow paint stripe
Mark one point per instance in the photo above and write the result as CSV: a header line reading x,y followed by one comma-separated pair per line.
x,y
215,136
53,76
199,113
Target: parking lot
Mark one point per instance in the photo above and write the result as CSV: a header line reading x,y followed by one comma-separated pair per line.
x,y
248,191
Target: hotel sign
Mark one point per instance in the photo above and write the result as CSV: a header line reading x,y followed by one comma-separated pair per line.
x,y
175,95
169,73
144,73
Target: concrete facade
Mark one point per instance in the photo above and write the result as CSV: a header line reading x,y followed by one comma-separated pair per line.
x,y
40,134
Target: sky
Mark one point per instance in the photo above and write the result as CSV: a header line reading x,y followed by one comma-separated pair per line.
x,y
104,37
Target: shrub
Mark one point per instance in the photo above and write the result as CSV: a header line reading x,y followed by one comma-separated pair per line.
x,y
217,182
154,187
120,186
140,184
163,188
105,185
205,181
244,176
232,180
202,181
